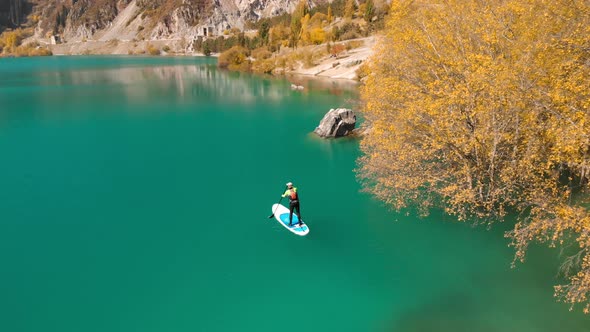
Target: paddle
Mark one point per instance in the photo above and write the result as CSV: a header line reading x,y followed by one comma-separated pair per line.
x,y
273,213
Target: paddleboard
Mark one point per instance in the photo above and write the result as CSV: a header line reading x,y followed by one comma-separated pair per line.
x,y
281,214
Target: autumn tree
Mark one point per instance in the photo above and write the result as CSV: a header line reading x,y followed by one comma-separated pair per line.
x,y
298,14
482,108
312,31
317,35
369,10
349,9
263,31
279,36
235,59
10,40
318,20
304,35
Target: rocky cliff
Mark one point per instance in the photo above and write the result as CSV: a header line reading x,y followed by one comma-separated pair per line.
x,y
78,20
13,13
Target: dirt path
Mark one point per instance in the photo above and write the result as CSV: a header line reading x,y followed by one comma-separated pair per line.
x,y
344,66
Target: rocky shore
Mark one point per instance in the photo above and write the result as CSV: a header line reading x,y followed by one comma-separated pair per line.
x,y
343,66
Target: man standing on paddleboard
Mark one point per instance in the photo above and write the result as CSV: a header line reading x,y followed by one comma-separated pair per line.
x,y
291,192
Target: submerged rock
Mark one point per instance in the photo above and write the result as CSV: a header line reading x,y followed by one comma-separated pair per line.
x,y
337,123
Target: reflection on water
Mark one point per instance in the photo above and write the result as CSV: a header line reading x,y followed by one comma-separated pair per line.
x,y
336,87
179,81
130,81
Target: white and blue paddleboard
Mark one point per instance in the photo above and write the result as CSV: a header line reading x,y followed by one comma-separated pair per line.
x,y
281,213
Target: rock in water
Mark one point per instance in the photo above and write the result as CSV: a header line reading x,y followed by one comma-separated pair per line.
x,y
337,123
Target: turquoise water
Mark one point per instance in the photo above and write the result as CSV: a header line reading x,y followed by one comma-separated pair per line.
x,y
135,195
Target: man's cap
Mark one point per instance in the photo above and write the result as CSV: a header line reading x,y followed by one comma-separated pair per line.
x,y
289,184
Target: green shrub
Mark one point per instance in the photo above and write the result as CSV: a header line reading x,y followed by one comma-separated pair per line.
x,y
206,49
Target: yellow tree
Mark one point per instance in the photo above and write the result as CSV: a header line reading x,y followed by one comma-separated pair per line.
x,y
349,9
235,59
298,14
483,107
312,31
12,39
317,35
279,35
304,36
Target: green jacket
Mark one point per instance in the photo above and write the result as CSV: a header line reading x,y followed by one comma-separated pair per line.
x,y
288,192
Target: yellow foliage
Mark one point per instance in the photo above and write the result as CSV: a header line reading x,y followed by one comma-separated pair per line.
x,y
152,50
261,53
235,58
362,8
317,20
312,31
24,51
301,10
349,9
317,36
304,36
11,39
11,43
35,19
279,35
483,107
266,66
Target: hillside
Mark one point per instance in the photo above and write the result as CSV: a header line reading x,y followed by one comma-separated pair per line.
x,y
287,28
147,19
13,13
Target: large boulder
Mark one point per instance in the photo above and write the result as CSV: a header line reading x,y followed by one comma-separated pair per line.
x,y
336,123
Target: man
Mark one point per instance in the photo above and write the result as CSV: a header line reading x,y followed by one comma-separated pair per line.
x,y
291,192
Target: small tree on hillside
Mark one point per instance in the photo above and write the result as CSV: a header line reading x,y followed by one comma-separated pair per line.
x,y
349,9
296,17
263,31
369,10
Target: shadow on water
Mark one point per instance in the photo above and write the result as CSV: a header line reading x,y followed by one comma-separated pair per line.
x,y
453,312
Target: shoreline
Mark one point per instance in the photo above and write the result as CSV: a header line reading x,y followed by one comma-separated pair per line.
x,y
342,67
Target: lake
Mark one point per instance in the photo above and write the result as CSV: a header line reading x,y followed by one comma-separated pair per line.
x,y
135,194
